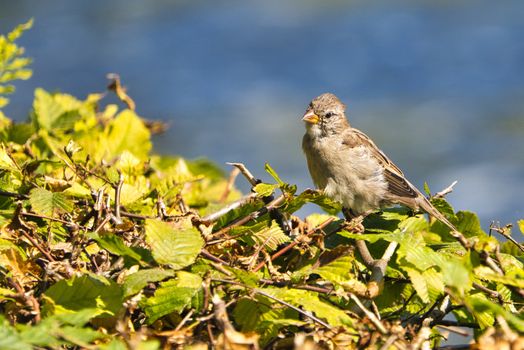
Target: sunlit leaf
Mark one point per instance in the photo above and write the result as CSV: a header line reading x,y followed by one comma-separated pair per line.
x,y
138,280
86,291
176,247
47,203
173,296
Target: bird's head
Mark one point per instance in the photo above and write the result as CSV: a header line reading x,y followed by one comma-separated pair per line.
x,y
325,116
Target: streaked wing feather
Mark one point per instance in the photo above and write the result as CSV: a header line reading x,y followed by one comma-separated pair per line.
x,y
397,184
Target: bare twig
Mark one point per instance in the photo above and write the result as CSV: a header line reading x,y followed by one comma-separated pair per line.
x,y
260,292
504,232
206,220
392,338
12,194
247,174
118,191
492,293
184,320
272,205
230,183
445,191
452,323
421,340
390,250
41,216
28,298
120,91
35,244
211,257
136,216
380,327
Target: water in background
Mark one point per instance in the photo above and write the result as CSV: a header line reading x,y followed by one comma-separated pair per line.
x,y
439,85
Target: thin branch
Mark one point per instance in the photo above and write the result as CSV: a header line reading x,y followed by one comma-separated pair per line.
x,y
41,216
392,338
305,313
208,219
211,257
118,191
230,184
380,327
272,205
12,194
390,250
247,174
504,232
457,324
445,191
260,292
35,244
135,216
28,299
184,320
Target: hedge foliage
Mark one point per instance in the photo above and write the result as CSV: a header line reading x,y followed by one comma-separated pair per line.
x,y
105,244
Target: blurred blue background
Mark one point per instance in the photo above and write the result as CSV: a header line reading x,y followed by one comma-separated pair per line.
x,y
439,85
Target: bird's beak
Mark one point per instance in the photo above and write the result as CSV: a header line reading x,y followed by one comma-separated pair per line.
x,y
310,118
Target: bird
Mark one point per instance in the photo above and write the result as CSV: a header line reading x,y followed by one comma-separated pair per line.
x,y
350,169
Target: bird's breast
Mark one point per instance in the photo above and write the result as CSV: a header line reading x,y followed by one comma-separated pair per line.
x,y
349,175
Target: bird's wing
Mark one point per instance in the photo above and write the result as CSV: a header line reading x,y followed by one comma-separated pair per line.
x,y
397,183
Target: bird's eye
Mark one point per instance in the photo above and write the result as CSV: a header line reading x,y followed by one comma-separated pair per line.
x,y
329,114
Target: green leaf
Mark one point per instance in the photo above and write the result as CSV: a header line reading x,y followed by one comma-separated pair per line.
x,y
47,203
419,283
87,291
115,245
79,336
521,226
17,32
173,296
485,312
312,196
310,301
261,316
128,132
138,280
427,191
265,190
469,224
55,112
273,174
176,247
270,237
337,271
10,339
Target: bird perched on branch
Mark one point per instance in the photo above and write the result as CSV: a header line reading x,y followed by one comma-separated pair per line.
x,y
347,165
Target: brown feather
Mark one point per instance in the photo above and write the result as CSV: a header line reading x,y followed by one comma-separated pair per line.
x,y
397,184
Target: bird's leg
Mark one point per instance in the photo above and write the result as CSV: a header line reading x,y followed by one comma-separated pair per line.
x,y
354,221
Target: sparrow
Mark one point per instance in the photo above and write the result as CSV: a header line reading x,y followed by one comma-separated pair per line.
x,y
349,168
